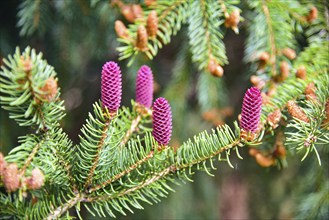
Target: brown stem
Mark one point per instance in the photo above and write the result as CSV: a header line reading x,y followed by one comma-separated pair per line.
x,y
99,148
62,209
157,176
118,176
206,26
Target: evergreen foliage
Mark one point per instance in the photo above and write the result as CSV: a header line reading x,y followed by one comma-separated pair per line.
x,y
117,166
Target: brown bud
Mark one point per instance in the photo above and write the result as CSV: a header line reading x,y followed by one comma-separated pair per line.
x,y
215,69
274,118
152,24
264,57
121,29
36,180
313,15
233,19
3,164
49,90
253,152
284,71
141,41
310,92
137,11
127,12
296,112
289,53
11,177
150,2
301,72
209,115
263,160
257,81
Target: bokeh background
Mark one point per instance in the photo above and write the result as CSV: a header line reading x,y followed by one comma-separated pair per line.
x,y
78,39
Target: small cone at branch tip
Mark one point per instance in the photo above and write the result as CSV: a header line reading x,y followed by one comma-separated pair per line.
x,y
111,89
264,57
127,12
253,151
289,53
121,29
264,161
284,71
49,90
137,11
257,81
233,20
274,118
36,180
301,72
152,24
162,121
215,69
310,92
296,112
3,164
313,15
144,86
280,151
11,177
142,38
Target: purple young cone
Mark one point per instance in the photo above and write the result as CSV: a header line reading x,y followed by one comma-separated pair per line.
x,y
144,86
251,109
162,121
111,86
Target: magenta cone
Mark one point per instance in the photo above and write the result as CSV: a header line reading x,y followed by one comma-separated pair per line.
x,y
251,110
162,121
144,86
111,86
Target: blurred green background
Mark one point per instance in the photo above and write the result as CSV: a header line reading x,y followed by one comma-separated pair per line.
x,y
78,39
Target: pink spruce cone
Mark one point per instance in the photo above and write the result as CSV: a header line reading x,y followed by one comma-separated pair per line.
x,y
162,121
111,86
251,109
144,86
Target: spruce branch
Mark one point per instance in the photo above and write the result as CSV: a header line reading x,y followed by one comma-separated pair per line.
x,y
205,38
171,16
24,91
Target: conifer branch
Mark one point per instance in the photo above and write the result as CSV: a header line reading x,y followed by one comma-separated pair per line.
x,y
118,176
271,37
31,156
100,145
